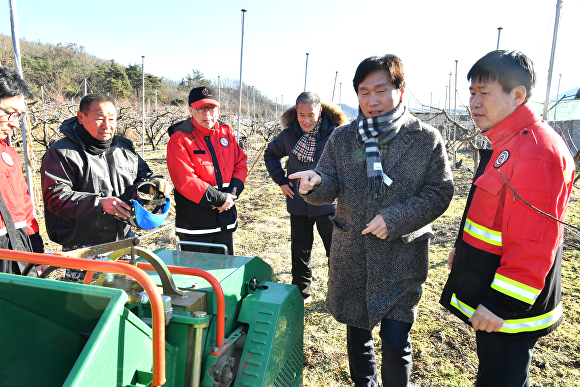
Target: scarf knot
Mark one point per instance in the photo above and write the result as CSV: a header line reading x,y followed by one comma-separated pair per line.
x,y
305,148
386,126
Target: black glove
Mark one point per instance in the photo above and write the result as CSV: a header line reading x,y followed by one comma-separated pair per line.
x,y
37,243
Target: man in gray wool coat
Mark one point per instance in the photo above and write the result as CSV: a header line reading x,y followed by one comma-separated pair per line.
x,y
391,176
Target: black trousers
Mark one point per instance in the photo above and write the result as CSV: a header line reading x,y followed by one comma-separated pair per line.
x,y
397,359
302,237
223,238
503,361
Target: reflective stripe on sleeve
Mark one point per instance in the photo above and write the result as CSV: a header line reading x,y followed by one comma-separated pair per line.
x,y
528,324
17,225
482,233
515,289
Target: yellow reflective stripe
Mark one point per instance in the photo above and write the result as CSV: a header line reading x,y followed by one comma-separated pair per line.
x,y
515,289
568,174
463,307
533,323
528,324
485,234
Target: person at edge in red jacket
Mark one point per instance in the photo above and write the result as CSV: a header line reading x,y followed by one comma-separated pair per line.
x,y
208,169
18,227
506,265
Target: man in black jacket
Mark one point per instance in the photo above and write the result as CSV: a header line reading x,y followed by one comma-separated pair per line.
x,y
88,176
306,128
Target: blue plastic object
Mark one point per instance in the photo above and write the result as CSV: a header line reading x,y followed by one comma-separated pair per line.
x,y
146,220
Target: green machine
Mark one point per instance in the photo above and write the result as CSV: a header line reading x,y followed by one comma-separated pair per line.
x,y
227,322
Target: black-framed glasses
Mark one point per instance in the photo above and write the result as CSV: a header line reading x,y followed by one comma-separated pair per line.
x,y
13,115
209,108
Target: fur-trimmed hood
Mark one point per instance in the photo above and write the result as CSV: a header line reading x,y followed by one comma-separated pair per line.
x,y
332,112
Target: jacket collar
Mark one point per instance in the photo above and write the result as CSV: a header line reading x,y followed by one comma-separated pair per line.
x,y
523,117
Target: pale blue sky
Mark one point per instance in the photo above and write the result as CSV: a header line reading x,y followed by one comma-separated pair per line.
x,y
177,36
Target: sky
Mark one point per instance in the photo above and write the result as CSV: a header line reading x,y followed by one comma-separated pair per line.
x,y
177,36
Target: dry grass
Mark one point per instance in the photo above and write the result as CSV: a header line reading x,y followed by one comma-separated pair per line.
x,y
443,347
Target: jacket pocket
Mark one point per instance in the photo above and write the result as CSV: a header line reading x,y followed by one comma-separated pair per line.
x,y
525,222
486,200
339,224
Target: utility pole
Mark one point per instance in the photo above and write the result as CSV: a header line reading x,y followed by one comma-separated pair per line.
x,y
430,107
143,108
455,117
240,99
449,108
334,87
555,38
306,71
498,34
556,105
23,121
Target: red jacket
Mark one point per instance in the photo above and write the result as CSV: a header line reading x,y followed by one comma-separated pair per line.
x,y
192,155
508,255
15,194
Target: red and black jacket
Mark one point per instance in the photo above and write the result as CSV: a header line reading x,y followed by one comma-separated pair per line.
x,y
205,165
508,255
17,201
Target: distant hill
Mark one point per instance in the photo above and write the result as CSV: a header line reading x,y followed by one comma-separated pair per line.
x,y
63,71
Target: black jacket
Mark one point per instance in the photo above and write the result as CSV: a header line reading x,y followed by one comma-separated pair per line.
x,y
282,146
73,179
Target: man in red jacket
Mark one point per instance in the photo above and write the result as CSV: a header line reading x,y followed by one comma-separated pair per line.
x,y
18,227
505,267
208,169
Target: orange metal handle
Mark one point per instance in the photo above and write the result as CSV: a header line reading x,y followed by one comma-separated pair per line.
x,y
60,260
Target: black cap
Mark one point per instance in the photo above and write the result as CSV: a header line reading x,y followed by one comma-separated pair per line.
x,y
203,95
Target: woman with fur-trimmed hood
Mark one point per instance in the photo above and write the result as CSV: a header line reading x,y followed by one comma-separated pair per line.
x,y
305,129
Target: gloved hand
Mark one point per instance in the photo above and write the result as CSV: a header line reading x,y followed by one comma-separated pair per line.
x,y
163,186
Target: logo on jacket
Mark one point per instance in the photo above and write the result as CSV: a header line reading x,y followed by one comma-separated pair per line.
x,y
224,141
205,92
7,159
502,158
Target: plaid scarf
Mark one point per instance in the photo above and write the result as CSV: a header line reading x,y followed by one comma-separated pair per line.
x,y
305,148
369,129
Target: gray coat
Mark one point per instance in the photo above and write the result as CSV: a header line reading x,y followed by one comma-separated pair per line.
x,y
370,279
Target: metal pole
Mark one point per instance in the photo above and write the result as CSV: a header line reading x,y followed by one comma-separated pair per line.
x,y
547,100
498,34
143,108
219,91
240,99
155,103
334,86
254,96
85,86
340,95
455,117
557,97
306,71
449,108
276,116
23,121
430,104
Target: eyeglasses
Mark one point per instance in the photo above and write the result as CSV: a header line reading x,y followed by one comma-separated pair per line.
x,y
209,108
13,115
